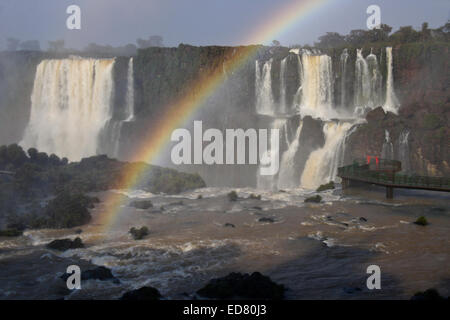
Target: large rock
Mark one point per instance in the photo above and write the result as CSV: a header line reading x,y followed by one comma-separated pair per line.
x,y
430,294
376,114
100,273
243,286
141,204
65,244
144,293
139,234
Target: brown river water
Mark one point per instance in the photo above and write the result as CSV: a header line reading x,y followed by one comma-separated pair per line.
x,y
318,251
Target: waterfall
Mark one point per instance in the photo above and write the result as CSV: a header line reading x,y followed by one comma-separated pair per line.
x,y
70,104
387,151
322,164
298,95
368,83
375,79
283,107
129,98
403,151
116,126
317,86
314,97
287,164
343,63
362,80
391,103
270,182
263,87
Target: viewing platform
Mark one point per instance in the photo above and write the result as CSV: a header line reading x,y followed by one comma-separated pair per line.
x,y
386,173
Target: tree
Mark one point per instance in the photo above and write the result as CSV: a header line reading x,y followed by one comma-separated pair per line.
x,y
331,40
152,41
381,34
406,34
12,44
32,152
56,46
30,45
426,32
357,37
276,43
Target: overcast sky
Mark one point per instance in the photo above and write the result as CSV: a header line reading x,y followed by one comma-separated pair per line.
x,y
198,22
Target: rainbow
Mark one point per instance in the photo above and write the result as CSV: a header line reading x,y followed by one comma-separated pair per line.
x,y
180,111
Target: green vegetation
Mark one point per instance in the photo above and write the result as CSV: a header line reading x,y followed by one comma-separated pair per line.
x,y
43,191
10,233
255,197
139,234
232,196
431,121
314,199
327,186
421,221
406,34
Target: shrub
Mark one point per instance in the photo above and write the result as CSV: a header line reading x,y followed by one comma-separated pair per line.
x,y
232,196
139,234
255,197
327,186
431,121
10,233
68,210
421,221
315,199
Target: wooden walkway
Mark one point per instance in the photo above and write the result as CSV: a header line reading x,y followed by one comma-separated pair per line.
x,y
383,175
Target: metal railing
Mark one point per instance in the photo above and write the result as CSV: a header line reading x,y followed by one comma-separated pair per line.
x,y
362,172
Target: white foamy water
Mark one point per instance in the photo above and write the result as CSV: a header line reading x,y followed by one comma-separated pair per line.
x,y
391,103
70,105
322,164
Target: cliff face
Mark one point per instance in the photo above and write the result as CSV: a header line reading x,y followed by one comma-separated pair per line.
x,y
422,79
16,83
162,75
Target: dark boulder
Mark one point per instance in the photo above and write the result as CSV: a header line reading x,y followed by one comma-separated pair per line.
x,y
430,294
232,196
376,114
314,199
141,204
139,234
266,219
144,293
229,225
243,286
351,290
100,273
65,244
